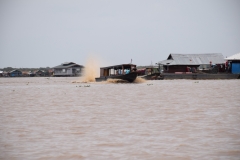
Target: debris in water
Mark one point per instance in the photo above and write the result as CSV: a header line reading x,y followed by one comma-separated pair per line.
x,y
76,82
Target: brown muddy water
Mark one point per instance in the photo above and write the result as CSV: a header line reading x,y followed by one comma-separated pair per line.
x,y
53,118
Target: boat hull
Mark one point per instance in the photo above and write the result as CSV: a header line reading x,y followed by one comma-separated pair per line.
x,y
127,77
154,76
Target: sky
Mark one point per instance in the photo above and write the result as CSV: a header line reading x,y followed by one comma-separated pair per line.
x,y
46,33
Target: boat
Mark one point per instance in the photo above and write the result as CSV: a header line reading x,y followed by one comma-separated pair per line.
x,y
149,72
126,72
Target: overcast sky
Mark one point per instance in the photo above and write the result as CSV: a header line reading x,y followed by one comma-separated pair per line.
x,y
41,33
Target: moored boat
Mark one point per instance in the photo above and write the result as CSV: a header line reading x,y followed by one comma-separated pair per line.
x,y
125,72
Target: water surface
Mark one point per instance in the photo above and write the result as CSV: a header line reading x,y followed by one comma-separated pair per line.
x,y
53,118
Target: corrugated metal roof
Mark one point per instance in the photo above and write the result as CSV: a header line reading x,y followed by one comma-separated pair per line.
x,y
194,59
40,70
64,65
15,71
67,63
234,57
167,62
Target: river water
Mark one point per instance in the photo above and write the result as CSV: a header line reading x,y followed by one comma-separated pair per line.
x,y
55,118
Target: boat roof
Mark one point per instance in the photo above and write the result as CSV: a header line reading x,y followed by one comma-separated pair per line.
x,y
119,66
147,67
14,71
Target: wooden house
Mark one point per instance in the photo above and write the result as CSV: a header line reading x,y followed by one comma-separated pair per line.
x,y
40,73
68,69
24,73
191,62
31,74
15,73
234,63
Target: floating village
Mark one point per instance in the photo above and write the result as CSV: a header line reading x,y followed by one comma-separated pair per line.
x,y
176,66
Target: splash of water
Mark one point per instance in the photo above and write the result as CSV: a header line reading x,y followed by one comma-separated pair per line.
x,y
91,70
116,81
139,80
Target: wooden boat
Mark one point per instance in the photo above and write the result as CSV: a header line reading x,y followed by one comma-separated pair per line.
x,y
149,72
154,76
125,72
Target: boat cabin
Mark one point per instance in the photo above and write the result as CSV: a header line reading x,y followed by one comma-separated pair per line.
x,y
121,69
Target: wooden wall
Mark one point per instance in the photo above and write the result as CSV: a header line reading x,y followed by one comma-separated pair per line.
x,y
177,68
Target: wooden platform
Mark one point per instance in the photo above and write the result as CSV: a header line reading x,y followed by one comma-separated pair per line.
x,y
199,76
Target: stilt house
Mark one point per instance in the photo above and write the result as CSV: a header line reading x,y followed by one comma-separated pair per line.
x,y
234,63
15,73
68,69
180,62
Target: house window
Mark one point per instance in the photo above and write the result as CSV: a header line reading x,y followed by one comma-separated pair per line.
x,y
63,70
165,68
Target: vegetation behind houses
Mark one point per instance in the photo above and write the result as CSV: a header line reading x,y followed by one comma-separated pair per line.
x,y
8,69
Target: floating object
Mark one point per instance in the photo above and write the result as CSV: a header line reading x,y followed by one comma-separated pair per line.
x,y
125,72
